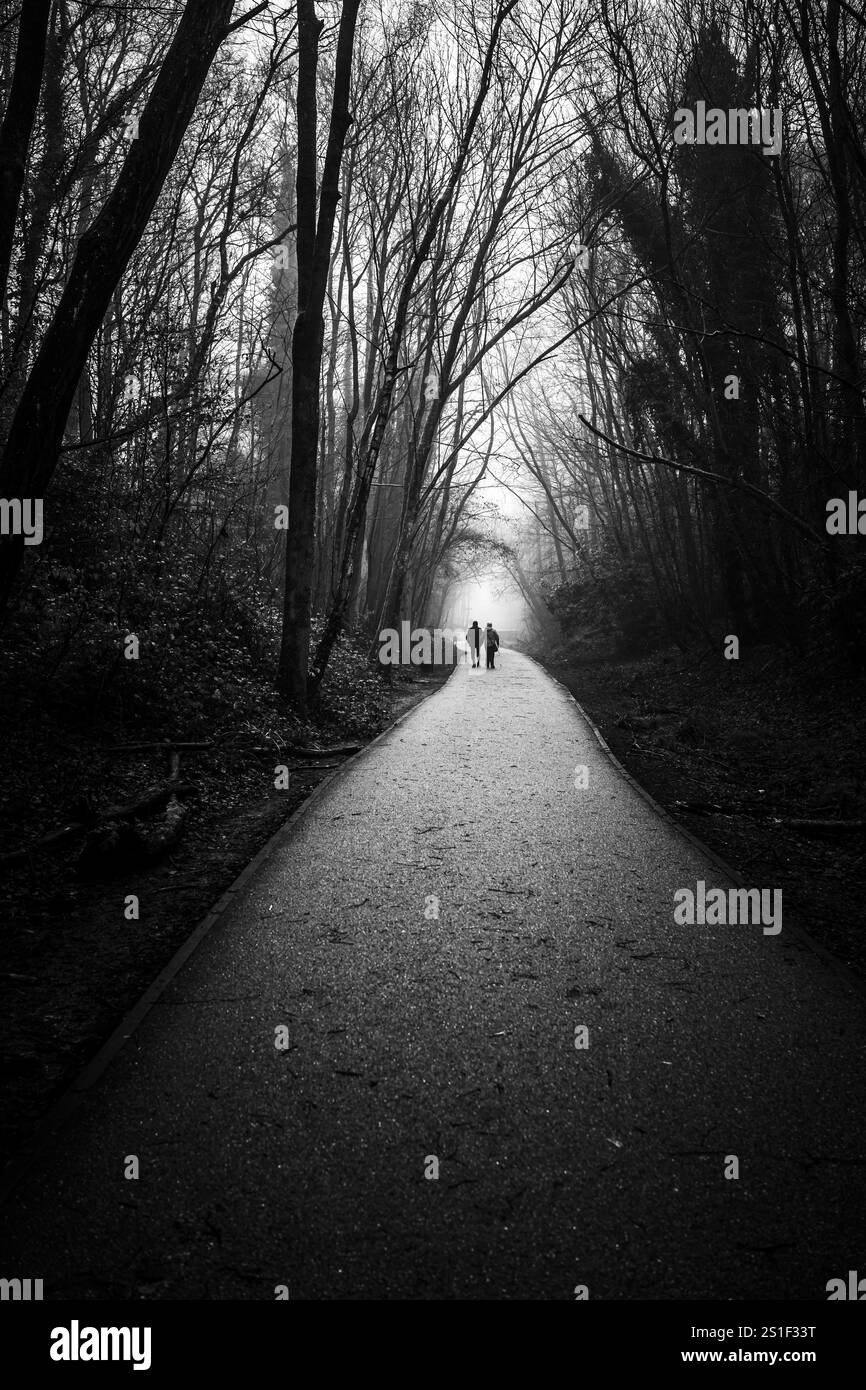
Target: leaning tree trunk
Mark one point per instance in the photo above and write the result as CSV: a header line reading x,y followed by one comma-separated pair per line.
x,y
33,445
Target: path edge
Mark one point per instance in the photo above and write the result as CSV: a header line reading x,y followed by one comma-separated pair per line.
x,y
836,965
68,1101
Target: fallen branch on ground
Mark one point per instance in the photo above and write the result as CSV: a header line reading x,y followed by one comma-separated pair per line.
x,y
146,804
343,750
165,747
168,747
115,848
824,827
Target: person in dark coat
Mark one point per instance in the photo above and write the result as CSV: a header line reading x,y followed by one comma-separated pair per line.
x,y
475,639
491,641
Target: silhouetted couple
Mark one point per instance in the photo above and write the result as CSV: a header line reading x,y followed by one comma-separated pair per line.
x,y
488,637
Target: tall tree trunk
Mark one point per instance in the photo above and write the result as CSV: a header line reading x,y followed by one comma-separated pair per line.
x,y
314,257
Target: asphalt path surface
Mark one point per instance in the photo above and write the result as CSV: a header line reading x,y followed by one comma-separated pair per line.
x,y
434,932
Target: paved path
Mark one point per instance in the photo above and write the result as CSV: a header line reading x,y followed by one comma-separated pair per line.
x,y
412,1038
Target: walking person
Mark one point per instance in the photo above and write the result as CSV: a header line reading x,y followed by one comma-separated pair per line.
x,y
475,641
491,641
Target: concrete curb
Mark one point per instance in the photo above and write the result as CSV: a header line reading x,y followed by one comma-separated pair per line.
x,y
837,966
57,1115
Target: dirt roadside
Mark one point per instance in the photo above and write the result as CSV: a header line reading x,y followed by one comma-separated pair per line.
x,y
713,741
73,965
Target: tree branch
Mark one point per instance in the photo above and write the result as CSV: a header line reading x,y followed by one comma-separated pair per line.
x,y
735,483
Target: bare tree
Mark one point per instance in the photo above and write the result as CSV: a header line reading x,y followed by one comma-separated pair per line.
x,y
316,212
33,444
